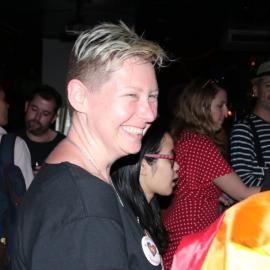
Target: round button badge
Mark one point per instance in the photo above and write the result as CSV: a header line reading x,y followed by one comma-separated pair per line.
x,y
150,250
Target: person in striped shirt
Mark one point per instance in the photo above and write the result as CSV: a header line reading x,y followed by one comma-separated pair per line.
x,y
245,159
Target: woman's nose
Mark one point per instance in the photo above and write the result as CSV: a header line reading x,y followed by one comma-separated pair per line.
x,y
176,166
148,111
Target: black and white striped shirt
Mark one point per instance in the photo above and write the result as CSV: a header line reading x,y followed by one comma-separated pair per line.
x,y
243,156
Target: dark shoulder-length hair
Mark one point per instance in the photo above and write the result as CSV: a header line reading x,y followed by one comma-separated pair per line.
x,y
125,176
193,109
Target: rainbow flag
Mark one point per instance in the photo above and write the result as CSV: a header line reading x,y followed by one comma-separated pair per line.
x,y
238,240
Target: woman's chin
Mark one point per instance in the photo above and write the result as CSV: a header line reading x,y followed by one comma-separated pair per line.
x,y
131,149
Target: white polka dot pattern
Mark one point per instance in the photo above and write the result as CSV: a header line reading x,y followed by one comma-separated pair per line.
x,y
195,204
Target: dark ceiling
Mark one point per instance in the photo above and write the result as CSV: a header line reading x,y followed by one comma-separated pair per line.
x,y
203,36
183,26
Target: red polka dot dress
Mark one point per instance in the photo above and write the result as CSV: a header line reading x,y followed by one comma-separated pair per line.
x,y
195,203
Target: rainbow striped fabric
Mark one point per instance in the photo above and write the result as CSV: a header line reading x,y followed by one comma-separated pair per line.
x,y
238,240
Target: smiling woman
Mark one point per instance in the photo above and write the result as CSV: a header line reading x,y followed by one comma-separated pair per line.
x,y
72,207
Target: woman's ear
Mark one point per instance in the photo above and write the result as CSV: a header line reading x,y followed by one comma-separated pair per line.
x,y
144,166
77,95
204,109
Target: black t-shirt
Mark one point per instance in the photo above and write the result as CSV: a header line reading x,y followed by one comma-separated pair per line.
x,y
74,221
39,150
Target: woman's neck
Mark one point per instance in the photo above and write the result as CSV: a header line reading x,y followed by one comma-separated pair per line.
x,y
91,153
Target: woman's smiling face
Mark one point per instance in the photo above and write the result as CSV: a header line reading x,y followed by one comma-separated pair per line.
x,y
124,107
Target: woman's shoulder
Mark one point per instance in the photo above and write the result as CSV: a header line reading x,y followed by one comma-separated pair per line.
x,y
192,142
67,179
71,189
192,137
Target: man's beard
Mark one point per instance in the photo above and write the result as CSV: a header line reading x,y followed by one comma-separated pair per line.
x,y
265,104
34,127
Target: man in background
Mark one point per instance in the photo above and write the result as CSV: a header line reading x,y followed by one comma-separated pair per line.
x,y
40,114
248,160
22,159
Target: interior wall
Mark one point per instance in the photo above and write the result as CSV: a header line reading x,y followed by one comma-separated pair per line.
x,y
55,55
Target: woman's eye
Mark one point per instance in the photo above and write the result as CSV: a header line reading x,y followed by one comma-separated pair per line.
x,y
132,95
153,97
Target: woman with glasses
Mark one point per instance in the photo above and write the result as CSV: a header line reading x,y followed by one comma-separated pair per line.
x,y
137,178
204,172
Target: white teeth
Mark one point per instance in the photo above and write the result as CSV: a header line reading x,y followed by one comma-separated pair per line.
x,y
134,130
144,131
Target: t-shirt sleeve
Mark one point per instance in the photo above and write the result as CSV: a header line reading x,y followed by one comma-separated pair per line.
x,y
22,159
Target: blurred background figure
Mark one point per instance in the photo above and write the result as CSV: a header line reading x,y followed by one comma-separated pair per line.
x,y
22,159
22,156
40,114
204,172
250,136
138,178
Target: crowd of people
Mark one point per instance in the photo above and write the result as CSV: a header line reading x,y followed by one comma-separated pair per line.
x,y
203,171
92,197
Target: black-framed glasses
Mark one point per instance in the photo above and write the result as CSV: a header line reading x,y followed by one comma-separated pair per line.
x,y
170,157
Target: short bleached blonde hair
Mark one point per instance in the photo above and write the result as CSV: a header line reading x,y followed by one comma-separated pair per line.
x,y
104,48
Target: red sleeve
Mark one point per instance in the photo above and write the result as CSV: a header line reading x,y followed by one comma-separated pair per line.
x,y
200,161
